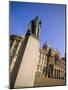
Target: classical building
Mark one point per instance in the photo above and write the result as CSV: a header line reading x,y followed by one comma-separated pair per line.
x,y
28,60
50,63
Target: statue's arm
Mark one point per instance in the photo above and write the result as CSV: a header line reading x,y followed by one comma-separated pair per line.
x,y
40,23
29,26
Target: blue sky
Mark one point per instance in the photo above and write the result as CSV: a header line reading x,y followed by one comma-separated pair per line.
x,y
51,15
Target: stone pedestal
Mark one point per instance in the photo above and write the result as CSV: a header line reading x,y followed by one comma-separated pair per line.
x,y
26,73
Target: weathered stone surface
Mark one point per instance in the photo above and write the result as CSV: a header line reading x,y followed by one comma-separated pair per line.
x,y
26,74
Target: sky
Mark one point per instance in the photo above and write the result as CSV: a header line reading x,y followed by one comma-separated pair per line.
x,y
52,17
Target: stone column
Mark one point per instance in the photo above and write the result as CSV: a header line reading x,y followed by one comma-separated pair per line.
x,y
13,46
53,74
59,74
11,51
15,57
28,66
62,74
56,73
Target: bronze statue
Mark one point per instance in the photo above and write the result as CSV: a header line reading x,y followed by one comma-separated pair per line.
x,y
34,26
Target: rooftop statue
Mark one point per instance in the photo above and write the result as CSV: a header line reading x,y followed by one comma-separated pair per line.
x,y
34,26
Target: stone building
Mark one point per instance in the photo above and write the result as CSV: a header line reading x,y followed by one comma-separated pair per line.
x,y
28,60
50,64
56,64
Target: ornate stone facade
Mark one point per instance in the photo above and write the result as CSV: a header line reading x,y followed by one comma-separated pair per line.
x,y
28,61
50,63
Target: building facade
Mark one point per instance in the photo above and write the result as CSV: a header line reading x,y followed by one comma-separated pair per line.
x,y
50,63
47,63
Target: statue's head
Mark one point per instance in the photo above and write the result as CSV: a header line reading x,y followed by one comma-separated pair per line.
x,y
37,17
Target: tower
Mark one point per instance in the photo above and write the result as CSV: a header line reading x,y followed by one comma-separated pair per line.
x,y
28,57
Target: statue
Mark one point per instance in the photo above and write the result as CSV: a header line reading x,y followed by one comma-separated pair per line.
x,y
34,26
